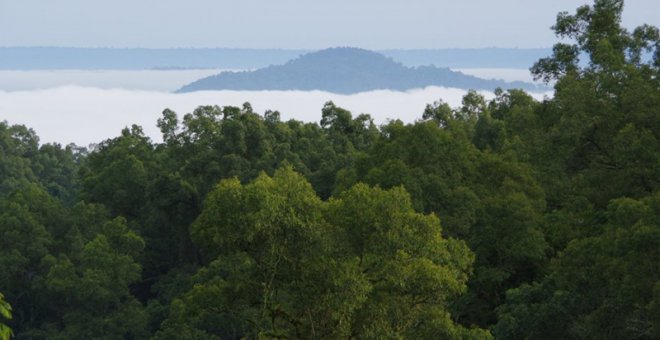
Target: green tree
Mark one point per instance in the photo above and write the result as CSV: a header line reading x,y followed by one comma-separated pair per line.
x,y
5,311
603,287
373,266
490,200
88,282
266,243
440,112
411,271
117,174
605,130
17,145
596,158
25,219
67,270
215,143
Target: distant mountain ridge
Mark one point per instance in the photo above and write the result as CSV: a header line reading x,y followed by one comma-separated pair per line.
x,y
347,70
57,58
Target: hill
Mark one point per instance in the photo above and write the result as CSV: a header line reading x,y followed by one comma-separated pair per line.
x,y
346,70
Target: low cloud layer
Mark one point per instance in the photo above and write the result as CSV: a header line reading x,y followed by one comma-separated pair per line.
x,y
89,115
148,80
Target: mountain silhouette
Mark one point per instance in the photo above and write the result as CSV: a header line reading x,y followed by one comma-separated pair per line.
x,y
346,70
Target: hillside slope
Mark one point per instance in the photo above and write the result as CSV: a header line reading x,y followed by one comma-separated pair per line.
x,y
346,70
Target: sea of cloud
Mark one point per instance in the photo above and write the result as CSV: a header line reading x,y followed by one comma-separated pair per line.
x,y
506,74
88,106
150,80
85,115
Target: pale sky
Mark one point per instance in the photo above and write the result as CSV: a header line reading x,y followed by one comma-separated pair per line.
x,y
293,24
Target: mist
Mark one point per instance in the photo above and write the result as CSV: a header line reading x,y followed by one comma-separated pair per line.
x,y
149,80
85,115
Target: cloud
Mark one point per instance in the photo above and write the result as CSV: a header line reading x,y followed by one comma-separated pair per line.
x,y
148,80
85,115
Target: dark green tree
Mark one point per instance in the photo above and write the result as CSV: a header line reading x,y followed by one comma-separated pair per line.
x,y
604,287
598,161
606,106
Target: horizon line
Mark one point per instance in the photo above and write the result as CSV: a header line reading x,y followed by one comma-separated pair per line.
x,y
276,48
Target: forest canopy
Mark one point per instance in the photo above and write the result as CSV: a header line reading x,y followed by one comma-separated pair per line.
x,y
507,218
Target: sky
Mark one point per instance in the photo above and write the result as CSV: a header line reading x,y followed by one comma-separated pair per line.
x,y
293,24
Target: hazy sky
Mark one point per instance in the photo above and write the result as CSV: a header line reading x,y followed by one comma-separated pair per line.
x,y
374,24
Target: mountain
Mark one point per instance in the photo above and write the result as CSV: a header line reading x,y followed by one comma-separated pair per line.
x,y
346,70
58,58
67,58
490,57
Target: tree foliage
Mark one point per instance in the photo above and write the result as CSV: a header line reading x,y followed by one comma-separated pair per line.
x,y
508,216
274,246
5,311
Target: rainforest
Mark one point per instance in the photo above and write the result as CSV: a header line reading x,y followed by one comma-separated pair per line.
x,y
506,218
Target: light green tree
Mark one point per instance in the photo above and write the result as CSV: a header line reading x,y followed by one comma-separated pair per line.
x,y
5,312
283,263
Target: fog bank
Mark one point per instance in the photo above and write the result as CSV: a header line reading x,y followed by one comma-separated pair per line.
x,y
85,115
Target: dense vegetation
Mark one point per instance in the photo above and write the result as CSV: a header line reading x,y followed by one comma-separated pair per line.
x,y
346,70
506,218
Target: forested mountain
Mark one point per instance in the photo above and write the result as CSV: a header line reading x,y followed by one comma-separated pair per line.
x,y
345,70
507,218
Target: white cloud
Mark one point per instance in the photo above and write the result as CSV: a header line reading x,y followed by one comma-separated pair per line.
x,y
86,115
152,80
506,74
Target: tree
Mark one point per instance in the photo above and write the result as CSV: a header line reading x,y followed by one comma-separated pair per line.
x,y
605,286
88,282
439,112
601,132
117,174
269,239
5,311
17,145
411,271
25,219
606,108
372,265
597,32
